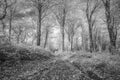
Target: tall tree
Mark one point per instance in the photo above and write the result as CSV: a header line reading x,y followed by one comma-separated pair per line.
x,y
110,20
11,12
91,8
42,7
18,30
84,37
47,32
71,30
97,36
60,12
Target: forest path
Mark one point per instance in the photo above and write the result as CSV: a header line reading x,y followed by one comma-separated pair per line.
x,y
42,65
45,70
27,63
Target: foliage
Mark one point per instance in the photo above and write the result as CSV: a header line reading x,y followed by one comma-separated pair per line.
x,y
11,52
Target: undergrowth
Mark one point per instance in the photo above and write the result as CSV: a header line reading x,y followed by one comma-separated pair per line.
x,y
20,62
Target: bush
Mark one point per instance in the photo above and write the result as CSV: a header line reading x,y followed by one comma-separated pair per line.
x,y
18,53
5,50
3,57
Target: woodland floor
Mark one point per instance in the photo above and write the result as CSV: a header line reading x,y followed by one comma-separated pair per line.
x,y
32,63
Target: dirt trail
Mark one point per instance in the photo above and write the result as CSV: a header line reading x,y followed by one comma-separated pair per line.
x,y
48,67
57,68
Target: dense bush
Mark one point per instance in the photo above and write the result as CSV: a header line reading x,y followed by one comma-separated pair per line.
x,y
12,52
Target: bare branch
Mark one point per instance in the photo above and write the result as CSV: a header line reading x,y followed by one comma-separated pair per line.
x,y
4,10
96,6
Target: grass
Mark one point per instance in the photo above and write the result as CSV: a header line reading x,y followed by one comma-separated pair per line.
x,y
103,65
20,62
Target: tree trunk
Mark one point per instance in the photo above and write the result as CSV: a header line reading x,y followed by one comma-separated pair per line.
x,y
83,41
99,42
71,44
113,37
10,26
91,38
110,25
39,26
18,39
63,39
3,26
46,39
63,25
100,48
